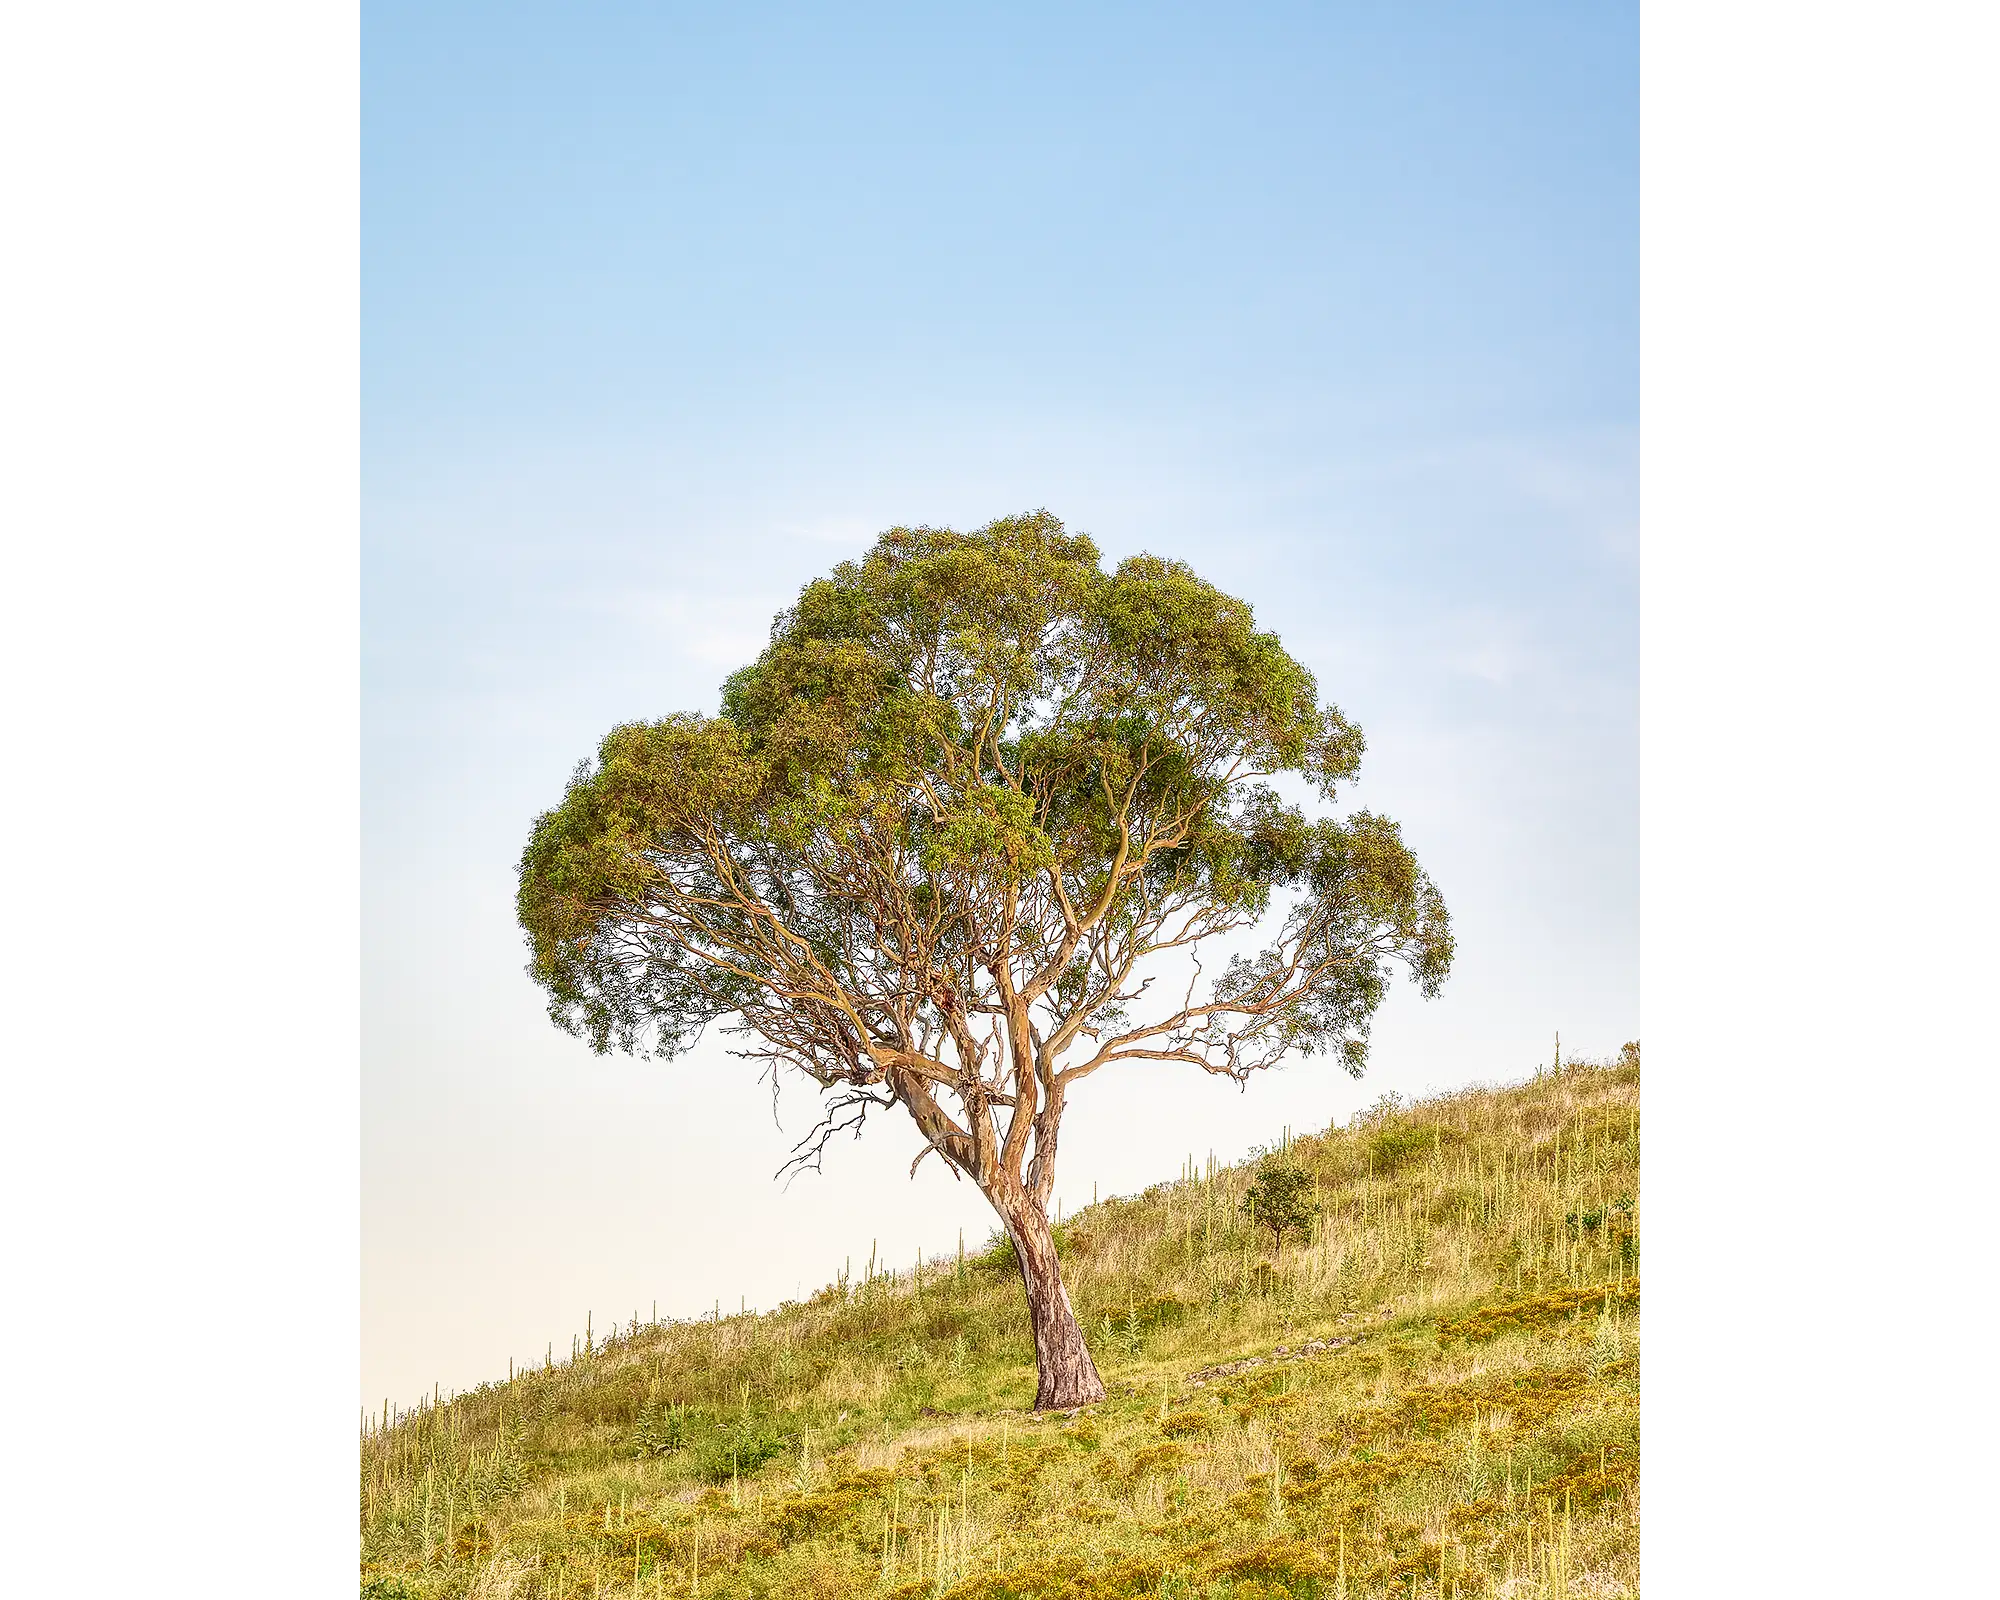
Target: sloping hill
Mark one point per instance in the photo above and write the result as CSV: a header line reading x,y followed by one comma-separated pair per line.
x,y
1437,1394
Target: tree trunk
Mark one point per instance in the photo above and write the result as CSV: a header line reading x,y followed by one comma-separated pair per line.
x,y
1066,1375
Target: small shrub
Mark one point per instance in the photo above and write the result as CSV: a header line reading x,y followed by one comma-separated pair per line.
x,y
1165,1311
1531,1311
999,1256
1613,1220
1397,1144
1156,1458
738,1450
1281,1197
635,1536
1040,1580
811,1515
1044,1580
1283,1560
1384,1110
660,1431
1613,1223
1133,1576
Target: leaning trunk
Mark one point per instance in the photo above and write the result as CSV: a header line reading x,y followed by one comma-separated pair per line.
x,y
1067,1377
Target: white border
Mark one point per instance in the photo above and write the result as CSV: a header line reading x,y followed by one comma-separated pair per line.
x,y
180,651
1819,274
179,643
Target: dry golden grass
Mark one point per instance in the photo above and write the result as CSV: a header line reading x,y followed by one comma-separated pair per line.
x,y
1474,1431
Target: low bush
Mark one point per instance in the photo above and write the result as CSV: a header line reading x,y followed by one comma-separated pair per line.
x,y
1397,1144
738,1449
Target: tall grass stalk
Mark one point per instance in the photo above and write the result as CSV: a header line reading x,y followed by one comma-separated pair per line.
x,y
1463,1417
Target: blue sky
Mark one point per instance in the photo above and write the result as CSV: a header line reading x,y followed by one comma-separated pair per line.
x,y
665,311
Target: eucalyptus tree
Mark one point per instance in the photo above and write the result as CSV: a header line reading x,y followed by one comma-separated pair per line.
x,y
976,797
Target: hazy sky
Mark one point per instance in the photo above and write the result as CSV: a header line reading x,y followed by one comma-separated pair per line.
x,y
667,310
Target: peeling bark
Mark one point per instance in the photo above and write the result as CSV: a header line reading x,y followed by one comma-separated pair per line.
x,y
1066,1377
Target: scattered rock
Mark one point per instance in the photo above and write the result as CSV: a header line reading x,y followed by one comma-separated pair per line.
x,y
1312,1347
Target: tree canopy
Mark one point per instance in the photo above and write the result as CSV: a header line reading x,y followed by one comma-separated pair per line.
x,y
942,822
1281,1196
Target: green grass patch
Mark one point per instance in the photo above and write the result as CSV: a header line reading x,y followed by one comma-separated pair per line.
x,y
1410,1394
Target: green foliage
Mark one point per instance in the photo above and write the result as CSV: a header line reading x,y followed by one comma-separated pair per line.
x,y
661,1430
957,756
1538,1310
1000,1257
1396,1144
1588,1222
1614,1222
1281,1198
972,787
738,1448
1165,1311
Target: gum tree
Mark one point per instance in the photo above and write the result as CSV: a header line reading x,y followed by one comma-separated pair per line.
x,y
955,845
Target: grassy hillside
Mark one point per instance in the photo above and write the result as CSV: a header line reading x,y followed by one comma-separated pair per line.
x,y
1435,1394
